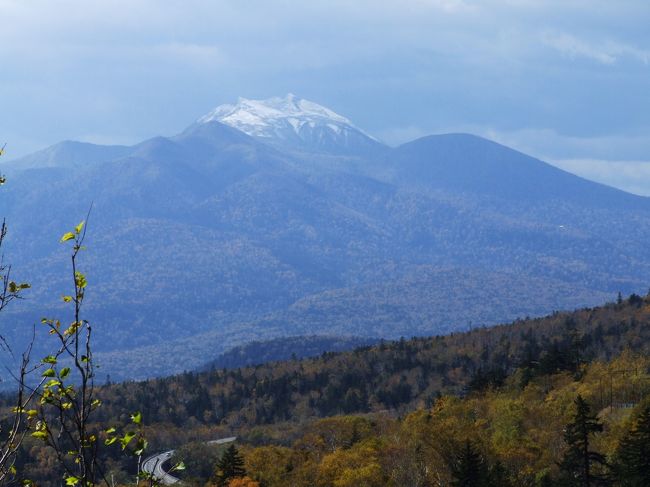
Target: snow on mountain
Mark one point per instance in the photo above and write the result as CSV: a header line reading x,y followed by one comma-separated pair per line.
x,y
294,122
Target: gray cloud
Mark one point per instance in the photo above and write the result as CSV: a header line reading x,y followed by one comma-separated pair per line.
x,y
603,52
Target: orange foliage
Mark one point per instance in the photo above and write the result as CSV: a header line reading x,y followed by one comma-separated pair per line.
x,y
243,482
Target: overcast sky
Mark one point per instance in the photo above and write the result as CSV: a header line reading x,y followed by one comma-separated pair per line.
x,y
567,81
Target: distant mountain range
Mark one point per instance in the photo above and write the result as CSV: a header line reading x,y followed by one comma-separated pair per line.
x,y
279,218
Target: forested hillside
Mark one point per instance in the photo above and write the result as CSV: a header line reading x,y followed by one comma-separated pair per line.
x,y
260,352
211,238
398,375
504,394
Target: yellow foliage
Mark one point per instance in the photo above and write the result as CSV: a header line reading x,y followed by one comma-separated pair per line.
x,y
357,466
521,429
368,475
271,464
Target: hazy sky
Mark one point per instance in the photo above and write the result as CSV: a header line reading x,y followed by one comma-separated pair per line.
x,y
567,81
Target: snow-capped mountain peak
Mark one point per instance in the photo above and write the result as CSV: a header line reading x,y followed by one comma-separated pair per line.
x,y
291,121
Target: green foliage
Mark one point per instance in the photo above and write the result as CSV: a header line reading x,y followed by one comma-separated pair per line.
x,y
581,466
632,464
67,400
469,468
229,466
284,348
198,460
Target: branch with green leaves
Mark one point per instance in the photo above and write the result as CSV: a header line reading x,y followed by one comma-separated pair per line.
x,y
67,399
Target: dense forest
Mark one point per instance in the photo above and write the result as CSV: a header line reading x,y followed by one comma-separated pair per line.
x,y
398,376
413,412
285,348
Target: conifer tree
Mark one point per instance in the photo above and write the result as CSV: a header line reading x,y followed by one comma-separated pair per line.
x,y
545,480
230,466
498,476
469,468
633,456
580,466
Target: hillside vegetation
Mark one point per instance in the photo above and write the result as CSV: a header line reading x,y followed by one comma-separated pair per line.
x,y
261,352
411,407
398,376
219,239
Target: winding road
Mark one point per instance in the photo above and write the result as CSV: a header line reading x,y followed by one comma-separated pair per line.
x,y
154,464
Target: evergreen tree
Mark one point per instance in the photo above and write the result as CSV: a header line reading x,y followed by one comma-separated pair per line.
x,y
581,467
469,468
230,466
545,480
633,456
499,476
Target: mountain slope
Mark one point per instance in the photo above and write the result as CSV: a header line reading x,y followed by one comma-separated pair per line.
x,y
407,374
467,163
213,238
68,154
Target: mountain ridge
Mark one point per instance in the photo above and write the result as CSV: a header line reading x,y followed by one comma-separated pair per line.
x,y
528,174
218,238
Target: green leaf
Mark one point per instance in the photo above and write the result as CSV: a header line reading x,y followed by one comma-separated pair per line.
x,y
79,227
71,480
52,383
67,236
66,299
49,373
80,279
110,441
49,360
110,431
65,372
177,467
136,417
141,446
126,439
41,435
